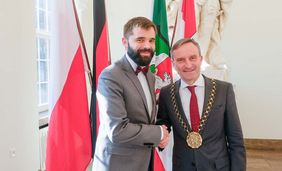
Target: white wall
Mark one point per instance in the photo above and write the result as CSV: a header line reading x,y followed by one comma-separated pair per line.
x,y
119,12
252,45
19,144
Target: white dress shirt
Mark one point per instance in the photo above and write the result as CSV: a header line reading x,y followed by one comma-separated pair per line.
x,y
185,96
142,78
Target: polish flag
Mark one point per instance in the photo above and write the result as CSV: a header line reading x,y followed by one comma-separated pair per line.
x,y
69,135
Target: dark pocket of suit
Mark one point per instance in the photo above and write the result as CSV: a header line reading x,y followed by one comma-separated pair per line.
x,y
218,107
221,163
120,150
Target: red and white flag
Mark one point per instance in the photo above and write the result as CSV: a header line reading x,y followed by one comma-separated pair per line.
x,y
185,22
69,135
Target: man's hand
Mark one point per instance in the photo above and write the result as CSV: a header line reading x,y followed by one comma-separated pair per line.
x,y
165,139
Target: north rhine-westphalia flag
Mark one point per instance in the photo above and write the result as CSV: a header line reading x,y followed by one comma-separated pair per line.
x,y
161,64
185,26
162,67
69,133
101,59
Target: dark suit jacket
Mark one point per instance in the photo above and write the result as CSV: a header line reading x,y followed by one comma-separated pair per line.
x,y
223,146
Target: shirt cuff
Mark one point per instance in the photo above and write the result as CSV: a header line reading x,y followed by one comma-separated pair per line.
x,y
162,131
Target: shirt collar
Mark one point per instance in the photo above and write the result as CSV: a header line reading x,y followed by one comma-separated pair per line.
x,y
200,82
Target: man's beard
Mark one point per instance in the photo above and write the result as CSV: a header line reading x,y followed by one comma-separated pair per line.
x,y
137,58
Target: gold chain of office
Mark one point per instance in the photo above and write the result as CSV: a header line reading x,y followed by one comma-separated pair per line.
x,y
194,139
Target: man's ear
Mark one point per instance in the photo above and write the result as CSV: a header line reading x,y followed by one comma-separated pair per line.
x,y
201,58
173,64
125,42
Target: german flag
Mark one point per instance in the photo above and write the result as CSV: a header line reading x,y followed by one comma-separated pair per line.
x,y
101,59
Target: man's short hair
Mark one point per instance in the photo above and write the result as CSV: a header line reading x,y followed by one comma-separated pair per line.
x,y
142,22
183,41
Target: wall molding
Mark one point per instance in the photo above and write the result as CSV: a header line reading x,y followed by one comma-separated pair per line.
x,y
263,144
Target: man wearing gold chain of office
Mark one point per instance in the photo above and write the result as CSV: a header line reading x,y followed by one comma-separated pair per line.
x,y
203,114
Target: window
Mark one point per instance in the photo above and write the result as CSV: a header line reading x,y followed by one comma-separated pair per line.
x,y
43,49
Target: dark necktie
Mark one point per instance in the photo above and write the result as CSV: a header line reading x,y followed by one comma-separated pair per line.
x,y
194,111
144,70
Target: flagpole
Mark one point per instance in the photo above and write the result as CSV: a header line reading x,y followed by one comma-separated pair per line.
x,y
85,56
174,29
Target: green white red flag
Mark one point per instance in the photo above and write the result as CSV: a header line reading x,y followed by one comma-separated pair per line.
x,y
162,64
162,67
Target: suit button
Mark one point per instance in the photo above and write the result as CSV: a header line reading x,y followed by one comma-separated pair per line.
x,y
149,145
193,164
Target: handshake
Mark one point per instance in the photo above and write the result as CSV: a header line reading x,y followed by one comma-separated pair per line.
x,y
165,138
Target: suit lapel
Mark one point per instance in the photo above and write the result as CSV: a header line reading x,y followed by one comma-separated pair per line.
x,y
207,93
208,87
132,76
151,83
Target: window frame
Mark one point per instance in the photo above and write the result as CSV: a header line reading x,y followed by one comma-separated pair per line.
x,y
43,33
